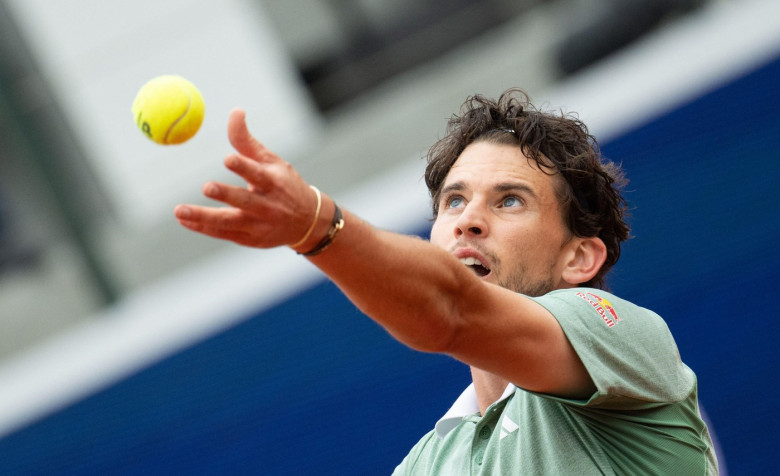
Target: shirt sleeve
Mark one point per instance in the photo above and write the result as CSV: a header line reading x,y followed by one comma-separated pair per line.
x,y
627,350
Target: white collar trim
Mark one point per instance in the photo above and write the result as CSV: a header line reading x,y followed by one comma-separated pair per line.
x,y
465,405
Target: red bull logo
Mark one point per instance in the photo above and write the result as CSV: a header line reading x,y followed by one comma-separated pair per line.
x,y
602,306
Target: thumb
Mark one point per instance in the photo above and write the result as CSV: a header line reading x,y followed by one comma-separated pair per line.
x,y
240,137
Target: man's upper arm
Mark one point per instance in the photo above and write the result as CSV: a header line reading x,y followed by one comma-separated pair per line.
x,y
518,339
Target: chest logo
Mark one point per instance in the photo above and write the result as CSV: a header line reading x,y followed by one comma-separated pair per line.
x,y
507,427
602,306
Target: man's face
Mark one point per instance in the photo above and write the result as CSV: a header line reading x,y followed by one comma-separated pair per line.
x,y
498,213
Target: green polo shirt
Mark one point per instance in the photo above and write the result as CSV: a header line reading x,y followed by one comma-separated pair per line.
x,y
643,418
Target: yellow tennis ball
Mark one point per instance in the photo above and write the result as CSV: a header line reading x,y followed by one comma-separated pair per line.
x,y
169,109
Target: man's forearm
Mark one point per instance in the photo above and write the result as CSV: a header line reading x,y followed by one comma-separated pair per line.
x,y
409,286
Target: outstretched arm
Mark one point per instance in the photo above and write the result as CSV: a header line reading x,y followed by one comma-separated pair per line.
x,y
418,292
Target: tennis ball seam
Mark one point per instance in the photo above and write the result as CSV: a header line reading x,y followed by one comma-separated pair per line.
x,y
178,119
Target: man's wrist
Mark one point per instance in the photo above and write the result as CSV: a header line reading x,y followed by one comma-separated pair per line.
x,y
313,222
336,224
323,230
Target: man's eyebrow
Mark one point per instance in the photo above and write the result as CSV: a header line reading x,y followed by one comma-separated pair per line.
x,y
453,187
515,187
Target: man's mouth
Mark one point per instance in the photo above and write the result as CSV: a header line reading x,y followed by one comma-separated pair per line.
x,y
476,265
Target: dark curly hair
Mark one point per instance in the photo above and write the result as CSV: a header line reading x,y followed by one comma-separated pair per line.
x,y
591,199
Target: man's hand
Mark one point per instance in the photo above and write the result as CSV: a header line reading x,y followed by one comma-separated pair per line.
x,y
274,209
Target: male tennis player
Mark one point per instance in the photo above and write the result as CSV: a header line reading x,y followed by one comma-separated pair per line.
x,y
567,378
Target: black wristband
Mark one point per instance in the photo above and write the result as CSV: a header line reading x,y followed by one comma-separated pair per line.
x,y
335,226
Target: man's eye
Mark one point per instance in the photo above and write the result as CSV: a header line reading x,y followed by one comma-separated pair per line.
x,y
511,201
454,202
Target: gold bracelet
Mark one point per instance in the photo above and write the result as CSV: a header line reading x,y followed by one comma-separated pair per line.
x,y
314,222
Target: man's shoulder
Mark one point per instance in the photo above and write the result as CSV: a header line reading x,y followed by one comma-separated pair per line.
x,y
419,459
605,307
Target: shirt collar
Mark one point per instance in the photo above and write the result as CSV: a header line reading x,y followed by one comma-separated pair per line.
x,y
465,405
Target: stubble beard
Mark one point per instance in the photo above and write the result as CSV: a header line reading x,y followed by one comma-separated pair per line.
x,y
520,281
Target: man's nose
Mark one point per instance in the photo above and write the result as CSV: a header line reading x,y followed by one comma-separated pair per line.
x,y
472,221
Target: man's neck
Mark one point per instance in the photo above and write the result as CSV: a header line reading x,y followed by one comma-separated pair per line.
x,y
489,388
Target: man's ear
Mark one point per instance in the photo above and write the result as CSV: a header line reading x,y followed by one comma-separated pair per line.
x,y
585,259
